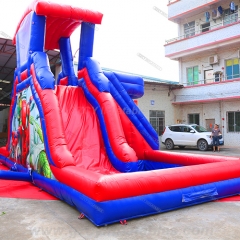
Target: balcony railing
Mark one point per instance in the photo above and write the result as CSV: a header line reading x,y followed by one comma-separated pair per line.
x,y
216,79
190,8
226,20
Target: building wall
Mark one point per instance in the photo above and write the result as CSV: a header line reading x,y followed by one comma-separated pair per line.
x,y
232,138
184,6
203,41
162,102
203,64
179,113
205,111
200,18
211,92
217,111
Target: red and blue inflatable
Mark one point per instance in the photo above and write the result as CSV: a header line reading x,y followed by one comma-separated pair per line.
x,y
84,140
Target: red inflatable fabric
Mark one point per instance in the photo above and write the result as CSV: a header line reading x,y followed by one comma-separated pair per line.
x,y
185,159
229,199
54,125
134,138
61,20
116,135
24,190
24,75
82,130
123,185
4,151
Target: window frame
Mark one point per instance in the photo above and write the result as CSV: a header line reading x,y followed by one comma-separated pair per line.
x,y
230,77
194,81
228,17
207,28
194,115
234,122
189,29
159,128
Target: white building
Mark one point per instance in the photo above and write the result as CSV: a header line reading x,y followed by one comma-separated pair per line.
x,y
208,50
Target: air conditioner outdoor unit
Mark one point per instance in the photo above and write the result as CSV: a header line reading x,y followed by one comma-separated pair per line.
x,y
213,59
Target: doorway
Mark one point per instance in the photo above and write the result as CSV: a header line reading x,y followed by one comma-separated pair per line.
x,y
208,76
209,124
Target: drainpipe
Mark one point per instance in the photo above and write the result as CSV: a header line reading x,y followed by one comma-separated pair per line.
x,y
221,118
180,70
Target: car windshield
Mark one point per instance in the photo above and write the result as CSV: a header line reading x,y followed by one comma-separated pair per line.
x,y
200,128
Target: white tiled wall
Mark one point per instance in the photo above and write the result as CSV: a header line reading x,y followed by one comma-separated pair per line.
x,y
184,6
232,139
206,111
199,19
203,39
217,111
162,102
209,92
203,64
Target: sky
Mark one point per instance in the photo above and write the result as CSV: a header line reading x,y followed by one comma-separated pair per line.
x,y
131,37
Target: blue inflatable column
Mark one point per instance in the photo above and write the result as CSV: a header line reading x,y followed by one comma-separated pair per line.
x,y
86,43
67,61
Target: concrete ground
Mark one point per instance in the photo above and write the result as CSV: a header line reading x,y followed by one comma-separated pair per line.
x,y
22,219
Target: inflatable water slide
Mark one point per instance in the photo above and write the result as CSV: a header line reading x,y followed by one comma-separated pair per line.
x,y
82,138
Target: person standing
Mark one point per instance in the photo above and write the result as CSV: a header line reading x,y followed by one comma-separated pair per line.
x,y
215,137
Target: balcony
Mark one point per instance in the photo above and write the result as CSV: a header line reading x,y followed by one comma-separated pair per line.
x,y
214,38
218,77
224,91
178,9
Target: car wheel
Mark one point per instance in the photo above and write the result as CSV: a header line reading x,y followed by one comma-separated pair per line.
x,y
169,144
181,147
202,145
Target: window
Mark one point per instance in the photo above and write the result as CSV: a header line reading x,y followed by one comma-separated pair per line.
x,y
217,76
189,29
192,75
208,76
200,128
193,118
233,121
186,129
157,120
205,27
230,17
232,68
176,128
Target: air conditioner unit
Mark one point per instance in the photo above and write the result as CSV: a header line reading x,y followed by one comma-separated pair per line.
x,y
213,59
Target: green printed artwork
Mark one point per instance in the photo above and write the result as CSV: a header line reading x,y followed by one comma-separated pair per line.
x,y
27,143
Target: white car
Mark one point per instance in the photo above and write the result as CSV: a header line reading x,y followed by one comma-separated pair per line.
x,y
182,135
